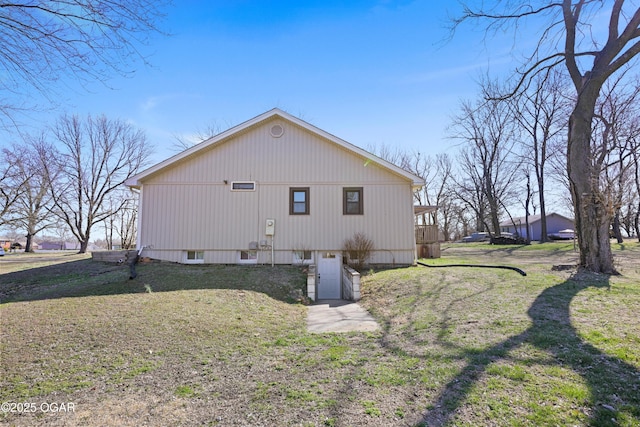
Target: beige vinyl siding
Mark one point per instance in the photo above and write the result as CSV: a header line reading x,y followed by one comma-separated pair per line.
x,y
190,218
297,156
198,216
190,207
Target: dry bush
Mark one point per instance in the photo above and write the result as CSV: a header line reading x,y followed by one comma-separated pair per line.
x,y
357,250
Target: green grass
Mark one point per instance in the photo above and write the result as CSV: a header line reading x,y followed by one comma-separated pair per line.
x,y
227,345
78,276
371,409
502,340
185,391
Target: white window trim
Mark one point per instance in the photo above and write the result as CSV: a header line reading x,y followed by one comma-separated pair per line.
x,y
233,183
186,260
297,260
247,261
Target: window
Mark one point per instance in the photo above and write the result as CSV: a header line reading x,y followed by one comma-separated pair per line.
x,y
352,201
248,257
302,257
194,257
299,201
243,186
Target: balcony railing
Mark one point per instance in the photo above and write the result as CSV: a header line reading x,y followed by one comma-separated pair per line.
x,y
426,234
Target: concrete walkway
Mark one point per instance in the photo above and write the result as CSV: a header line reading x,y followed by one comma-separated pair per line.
x,y
339,316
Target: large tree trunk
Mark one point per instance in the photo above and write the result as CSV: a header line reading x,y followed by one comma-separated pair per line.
x,y
492,200
480,218
617,232
29,246
543,212
636,222
591,215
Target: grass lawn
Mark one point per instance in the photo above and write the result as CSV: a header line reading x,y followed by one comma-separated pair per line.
x,y
80,344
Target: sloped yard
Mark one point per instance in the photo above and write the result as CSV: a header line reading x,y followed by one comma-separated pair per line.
x,y
227,345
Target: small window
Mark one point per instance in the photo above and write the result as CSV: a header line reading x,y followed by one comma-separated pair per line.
x,y
352,201
299,201
194,257
302,257
248,257
243,186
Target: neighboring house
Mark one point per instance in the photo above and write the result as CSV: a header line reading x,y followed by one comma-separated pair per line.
x,y
555,223
23,244
71,246
75,246
49,245
275,189
65,246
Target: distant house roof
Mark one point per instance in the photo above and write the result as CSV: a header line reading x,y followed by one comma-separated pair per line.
x,y
532,219
136,181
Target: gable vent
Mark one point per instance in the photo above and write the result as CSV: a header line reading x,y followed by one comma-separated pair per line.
x,y
277,131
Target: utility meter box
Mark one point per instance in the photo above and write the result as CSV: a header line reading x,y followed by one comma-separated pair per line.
x,y
270,228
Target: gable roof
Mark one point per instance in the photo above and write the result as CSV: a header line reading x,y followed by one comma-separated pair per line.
x,y
136,180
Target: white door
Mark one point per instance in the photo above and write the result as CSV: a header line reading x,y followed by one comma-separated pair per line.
x,y
329,277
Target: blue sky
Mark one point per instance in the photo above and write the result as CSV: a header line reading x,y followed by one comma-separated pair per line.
x,y
370,72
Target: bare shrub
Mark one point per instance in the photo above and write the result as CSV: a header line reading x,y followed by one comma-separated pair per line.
x,y
357,250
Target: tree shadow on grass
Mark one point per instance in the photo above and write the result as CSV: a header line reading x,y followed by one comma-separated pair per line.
x,y
614,385
92,278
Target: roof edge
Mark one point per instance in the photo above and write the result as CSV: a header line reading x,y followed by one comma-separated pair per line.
x,y
135,181
532,219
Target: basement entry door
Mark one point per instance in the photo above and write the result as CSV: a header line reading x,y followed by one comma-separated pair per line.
x,y
329,277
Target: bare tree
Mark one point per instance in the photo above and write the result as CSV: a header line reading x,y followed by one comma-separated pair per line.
x,y
44,40
528,193
11,186
469,188
541,113
33,205
61,233
440,187
123,222
436,171
571,37
462,218
615,139
636,177
488,167
128,221
98,155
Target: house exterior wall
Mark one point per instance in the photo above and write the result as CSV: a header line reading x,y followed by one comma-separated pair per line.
x,y
190,205
555,223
